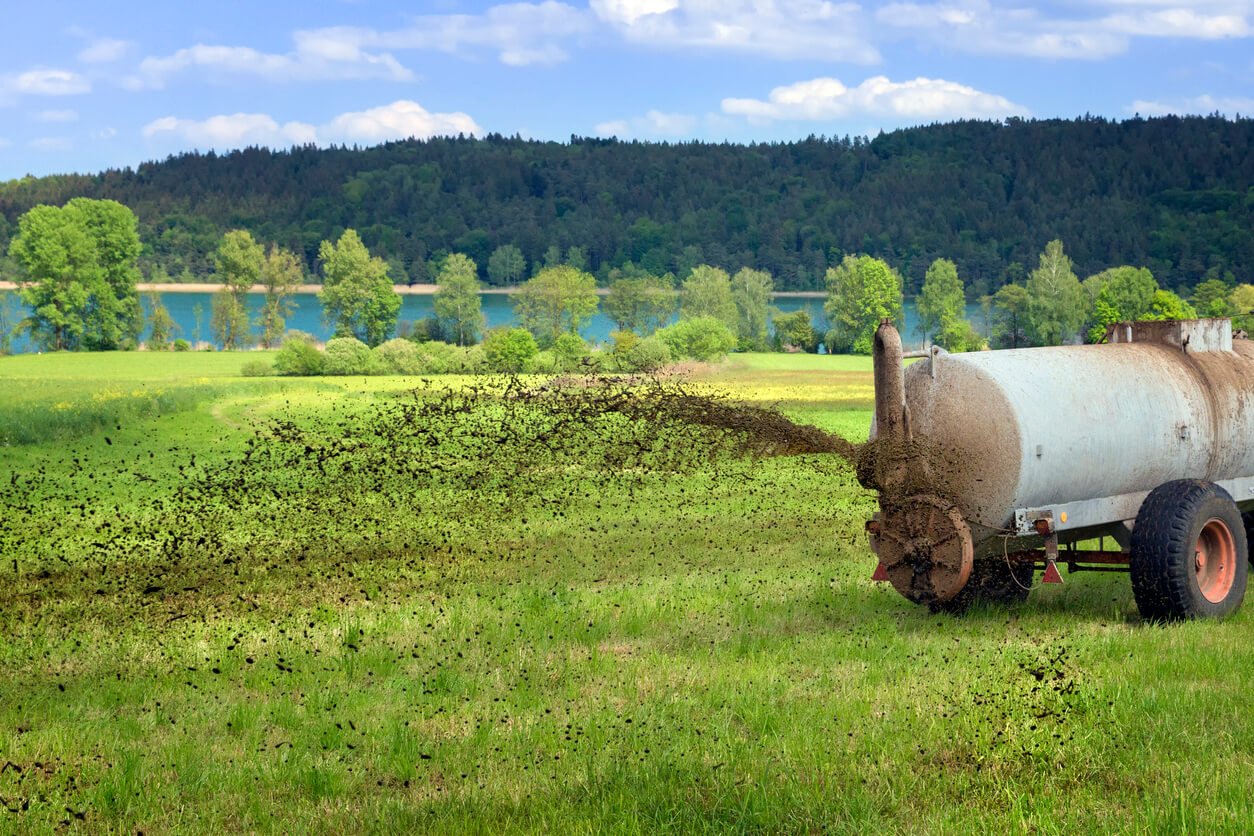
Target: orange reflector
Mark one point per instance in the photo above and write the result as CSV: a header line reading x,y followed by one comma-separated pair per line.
x,y
880,573
1051,573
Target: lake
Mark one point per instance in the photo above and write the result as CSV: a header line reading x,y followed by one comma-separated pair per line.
x,y
191,311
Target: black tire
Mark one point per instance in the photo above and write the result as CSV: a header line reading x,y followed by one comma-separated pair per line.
x,y
993,582
1248,519
1168,569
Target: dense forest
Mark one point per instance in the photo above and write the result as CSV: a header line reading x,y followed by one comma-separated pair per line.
x,y
1173,194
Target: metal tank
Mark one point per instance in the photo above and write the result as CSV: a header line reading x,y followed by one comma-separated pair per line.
x,y
988,462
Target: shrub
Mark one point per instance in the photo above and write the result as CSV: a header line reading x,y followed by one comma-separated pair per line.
x,y
700,338
182,345
299,356
438,358
509,349
647,355
347,355
256,368
569,351
398,356
469,360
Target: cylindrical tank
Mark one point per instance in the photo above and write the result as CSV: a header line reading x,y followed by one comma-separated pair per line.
x,y
998,430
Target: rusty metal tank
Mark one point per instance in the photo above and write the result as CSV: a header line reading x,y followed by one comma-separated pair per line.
x,y
971,450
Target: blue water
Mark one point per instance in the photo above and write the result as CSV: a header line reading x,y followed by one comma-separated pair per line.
x,y
191,312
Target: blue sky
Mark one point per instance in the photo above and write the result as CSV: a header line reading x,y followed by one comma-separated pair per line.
x,y
86,85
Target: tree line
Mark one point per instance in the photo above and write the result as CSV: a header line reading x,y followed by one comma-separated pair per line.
x,y
79,269
1171,194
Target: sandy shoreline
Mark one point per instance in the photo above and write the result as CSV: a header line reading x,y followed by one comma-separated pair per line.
x,y
403,289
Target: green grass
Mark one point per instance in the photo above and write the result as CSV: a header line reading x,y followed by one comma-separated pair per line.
x,y
456,631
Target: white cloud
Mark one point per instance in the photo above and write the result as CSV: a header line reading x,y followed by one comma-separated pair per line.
x,y
45,83
654,124
5,143
104,51
629,11
1178,23
1204,104
785,29
233,131
520,33
984,27
56,116
399,120
617,127
104,133
310,61
824,99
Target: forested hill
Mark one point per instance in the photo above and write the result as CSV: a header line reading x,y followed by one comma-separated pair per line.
x,y
1173,194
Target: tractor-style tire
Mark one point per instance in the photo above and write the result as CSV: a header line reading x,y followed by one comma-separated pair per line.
x,y
993,581
1190,554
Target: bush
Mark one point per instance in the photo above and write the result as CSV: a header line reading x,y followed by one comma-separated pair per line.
x,y
256,368
438,358
647,355
509,349
700,338
399,356
470,360
182,345
569,351
299,356
423,331
348,355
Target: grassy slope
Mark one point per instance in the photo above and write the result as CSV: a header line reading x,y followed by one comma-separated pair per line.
x,y
694,652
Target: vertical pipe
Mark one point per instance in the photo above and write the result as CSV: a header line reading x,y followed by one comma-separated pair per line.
x,y
890,456
890,386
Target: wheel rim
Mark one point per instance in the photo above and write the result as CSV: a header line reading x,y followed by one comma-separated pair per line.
x,y
1215,560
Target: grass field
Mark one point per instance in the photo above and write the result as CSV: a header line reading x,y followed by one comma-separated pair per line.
x,y
481,606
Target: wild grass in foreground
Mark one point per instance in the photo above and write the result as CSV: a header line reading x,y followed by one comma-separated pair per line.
x,y
538,608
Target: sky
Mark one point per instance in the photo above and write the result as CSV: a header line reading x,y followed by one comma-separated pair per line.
x,y
86,86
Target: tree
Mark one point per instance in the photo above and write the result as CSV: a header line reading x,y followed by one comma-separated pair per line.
x,y
556,299
707,292
642,302
704,338
80,271
281,275
1055,299
509,349
797,330
577,257
458,305
237,266
1242,300
1010,312
506,265
161,324
1126,295
941,301
357,297
1168,305
751,293
1210,298
861,292
9,321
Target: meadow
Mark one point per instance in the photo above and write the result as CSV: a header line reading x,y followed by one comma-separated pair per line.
x,y
492,605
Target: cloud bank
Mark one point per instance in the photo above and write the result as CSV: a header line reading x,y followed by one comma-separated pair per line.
x,y
399,120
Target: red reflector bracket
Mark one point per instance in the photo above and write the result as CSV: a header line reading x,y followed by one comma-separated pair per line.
x,y
1051,573
880,573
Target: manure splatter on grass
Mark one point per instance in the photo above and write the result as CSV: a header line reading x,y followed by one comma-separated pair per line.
x,y
326,485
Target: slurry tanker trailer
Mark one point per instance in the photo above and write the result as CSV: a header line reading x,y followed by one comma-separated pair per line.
x,y
991,466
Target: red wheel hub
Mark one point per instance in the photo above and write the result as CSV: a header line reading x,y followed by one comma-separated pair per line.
x,y
1215,560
